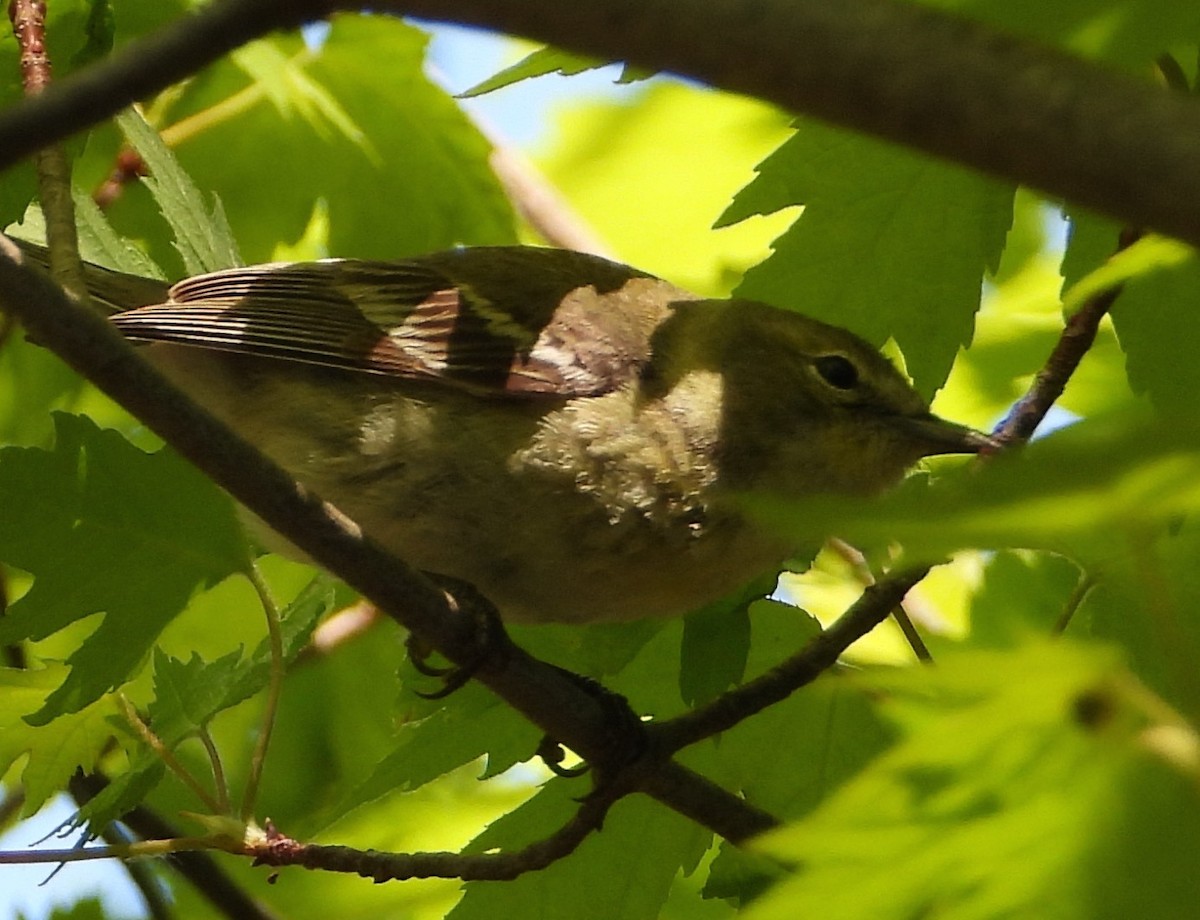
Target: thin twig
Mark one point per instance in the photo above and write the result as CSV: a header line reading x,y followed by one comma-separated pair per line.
x,y
871,609
279,850
1078,593
1076,339
149,885
53,169
540,203
198,867
915,642
854,558
220,784
139,850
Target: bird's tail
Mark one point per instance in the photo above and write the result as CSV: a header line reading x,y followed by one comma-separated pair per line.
x,y
112,290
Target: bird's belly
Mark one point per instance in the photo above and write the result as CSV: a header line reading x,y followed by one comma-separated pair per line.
x,y
445,489
551,566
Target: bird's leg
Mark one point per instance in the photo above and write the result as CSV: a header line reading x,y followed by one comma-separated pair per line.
x,y
627,739
490,638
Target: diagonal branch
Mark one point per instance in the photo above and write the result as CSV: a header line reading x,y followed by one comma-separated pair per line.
x,y
544,694
872,608
1076,339
915,75
905,72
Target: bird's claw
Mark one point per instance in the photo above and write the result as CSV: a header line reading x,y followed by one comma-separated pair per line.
x,y
491,640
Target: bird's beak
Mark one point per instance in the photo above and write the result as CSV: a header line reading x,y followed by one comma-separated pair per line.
x,y
943,437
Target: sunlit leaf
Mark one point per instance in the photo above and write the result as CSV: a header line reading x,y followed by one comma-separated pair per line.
x,y
626,871
56,750
535,64
106,528
891,244
202,234
1037,784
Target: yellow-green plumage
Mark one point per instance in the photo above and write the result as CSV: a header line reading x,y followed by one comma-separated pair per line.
x,y
559,430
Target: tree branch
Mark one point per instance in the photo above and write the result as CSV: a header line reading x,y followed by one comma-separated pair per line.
x,y
871,609
540,204
199,868
279,850
947,86
913,75
28,18
1075,341
944,85
1081,327
544,694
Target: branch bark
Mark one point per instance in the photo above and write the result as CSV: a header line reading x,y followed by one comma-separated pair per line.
x,y
726,711
1076,340
912,75
544,694
210,881
278,850
907,73
944,85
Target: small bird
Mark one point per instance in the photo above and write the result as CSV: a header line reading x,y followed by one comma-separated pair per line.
x,y
566,433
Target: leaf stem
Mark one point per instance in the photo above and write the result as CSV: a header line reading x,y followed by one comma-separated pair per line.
x,y
274,688
854,558
1079,592
219,781
146,733
228,108
915,642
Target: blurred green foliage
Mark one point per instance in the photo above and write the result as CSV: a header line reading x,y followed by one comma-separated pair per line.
x,y
1027,774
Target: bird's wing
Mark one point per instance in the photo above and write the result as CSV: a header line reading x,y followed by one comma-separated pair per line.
x,y
500,321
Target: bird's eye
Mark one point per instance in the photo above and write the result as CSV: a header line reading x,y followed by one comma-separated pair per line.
x,y
837,371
